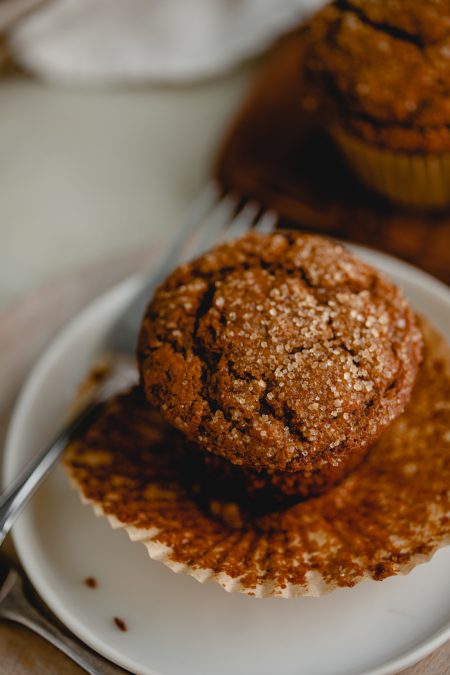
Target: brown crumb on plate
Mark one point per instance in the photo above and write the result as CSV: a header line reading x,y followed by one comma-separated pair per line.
x,y
121,625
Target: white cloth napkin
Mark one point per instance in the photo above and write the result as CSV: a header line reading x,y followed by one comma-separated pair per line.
x,y
120,41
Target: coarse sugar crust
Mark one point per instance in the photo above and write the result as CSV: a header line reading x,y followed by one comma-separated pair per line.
x,y
390,514
280,352
382,69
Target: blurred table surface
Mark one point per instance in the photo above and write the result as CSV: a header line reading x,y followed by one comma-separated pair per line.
x,y
89,173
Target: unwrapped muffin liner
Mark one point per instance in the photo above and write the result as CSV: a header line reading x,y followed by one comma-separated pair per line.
x,y
411,179
390,514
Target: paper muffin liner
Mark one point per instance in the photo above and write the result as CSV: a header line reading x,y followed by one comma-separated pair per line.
x,y
390,514
410,179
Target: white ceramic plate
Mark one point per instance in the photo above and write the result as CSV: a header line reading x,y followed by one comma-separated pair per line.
x,y
177,626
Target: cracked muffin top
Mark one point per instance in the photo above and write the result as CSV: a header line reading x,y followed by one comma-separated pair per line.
x,y
384,69
279,351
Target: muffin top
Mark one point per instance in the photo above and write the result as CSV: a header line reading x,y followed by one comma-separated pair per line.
x,y
383,67
279,352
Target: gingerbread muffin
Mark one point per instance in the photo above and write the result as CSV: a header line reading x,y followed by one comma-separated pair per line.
x,y
381,70
279,352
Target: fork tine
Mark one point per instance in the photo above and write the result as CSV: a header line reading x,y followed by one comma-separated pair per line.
x,y
226,221
266,222
198,212
214,222
242,221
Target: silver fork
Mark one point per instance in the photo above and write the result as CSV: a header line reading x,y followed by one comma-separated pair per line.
x,y
15,606
211,218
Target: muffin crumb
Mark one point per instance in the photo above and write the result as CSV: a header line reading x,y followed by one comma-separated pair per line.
x,y
121,625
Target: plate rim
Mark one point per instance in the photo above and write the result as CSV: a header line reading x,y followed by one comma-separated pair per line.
x,y
117,296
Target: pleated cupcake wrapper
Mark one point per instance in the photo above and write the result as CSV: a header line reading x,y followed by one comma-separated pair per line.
x,y
316,585
410,179
389,515
160,552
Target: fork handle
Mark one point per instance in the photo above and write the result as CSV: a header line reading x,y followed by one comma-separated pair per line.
x,y
91,662
14,499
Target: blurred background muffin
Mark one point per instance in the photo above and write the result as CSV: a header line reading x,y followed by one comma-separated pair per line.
x,y
382,76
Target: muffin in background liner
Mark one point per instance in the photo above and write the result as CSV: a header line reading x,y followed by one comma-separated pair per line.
x,y
390,514
412,179
377,75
